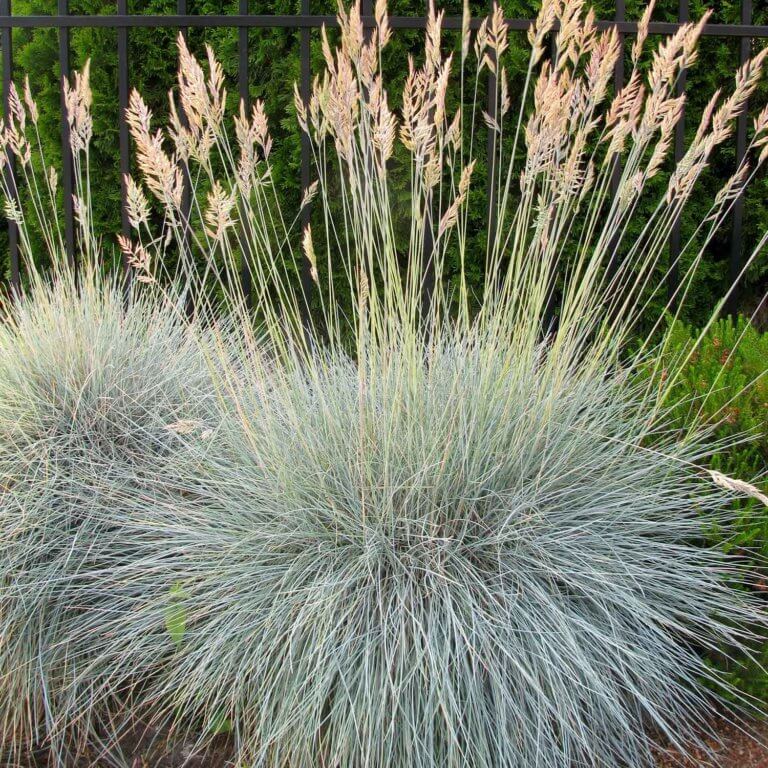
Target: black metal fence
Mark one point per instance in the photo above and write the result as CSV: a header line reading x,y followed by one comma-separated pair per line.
x,y
305,22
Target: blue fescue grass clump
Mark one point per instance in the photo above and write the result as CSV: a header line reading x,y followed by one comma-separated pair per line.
x,y
466,558
93,395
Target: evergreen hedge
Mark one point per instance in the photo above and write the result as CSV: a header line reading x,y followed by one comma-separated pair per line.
x,y
274,66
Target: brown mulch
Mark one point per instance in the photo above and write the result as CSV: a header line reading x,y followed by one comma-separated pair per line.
x,y
734,748
143,747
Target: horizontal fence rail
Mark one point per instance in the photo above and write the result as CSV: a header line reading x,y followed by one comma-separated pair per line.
x,y
313,21
122,22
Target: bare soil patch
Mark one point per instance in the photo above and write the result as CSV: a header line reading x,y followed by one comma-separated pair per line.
x,y
734,747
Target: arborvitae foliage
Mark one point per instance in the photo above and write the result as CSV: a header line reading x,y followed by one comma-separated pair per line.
x,y
274,63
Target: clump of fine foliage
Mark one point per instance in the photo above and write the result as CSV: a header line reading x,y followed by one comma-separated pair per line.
x,y
92,392
459,559
426,525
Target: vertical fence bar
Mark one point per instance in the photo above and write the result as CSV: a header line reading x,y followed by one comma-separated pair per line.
x,y
186,195
549,319
428,253
683,15
186,198
123,85
242,66
67,181
618,84
245,100
490,108
10,166
737,232
305,87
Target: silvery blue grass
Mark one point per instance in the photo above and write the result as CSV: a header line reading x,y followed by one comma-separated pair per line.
x,y
420,528
466,559
93,396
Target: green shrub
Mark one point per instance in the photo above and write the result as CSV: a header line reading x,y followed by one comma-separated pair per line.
x,y
726,378
274,65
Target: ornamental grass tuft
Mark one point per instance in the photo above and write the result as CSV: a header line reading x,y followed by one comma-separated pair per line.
x,y
93,394
461,558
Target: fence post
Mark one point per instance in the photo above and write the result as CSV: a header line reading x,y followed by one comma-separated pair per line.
x,y
428,254
490,150
618,84
10,166
67,182
123,86
186,199
736,259
246,281
673,278
305,88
